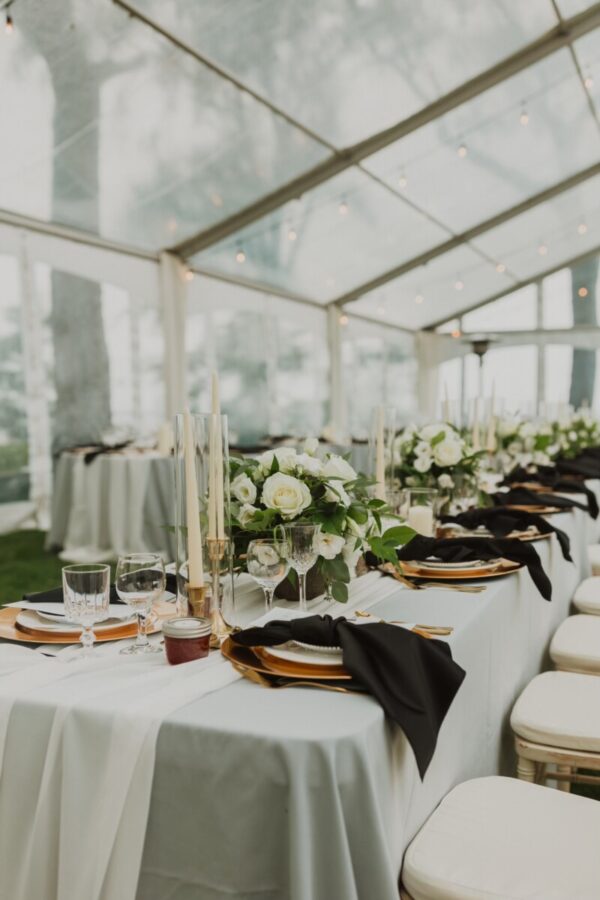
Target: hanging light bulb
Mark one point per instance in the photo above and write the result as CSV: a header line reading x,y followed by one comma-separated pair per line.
x,y
588,82
189,275
402,181
524,117
456,333
292,235
343,319
542,249
500,267
240,256
343,208
9,26
458,284
462,150
582,228
419,298
582,292
172,225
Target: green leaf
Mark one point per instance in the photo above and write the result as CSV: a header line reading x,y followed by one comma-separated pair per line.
x,y
274,466
438,438
339,592
359,513
398,535
382,550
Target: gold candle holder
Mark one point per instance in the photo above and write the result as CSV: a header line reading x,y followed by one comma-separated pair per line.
x,y
198,602
220,629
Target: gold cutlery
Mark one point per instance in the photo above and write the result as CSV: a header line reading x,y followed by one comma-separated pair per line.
x,y
428,629
390,569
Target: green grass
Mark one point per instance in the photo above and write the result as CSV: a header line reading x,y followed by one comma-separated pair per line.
x,y
25,566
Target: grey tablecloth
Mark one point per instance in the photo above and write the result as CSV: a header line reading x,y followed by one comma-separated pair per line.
x,y
305,795
118,503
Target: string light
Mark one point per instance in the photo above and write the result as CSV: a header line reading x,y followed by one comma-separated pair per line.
x,y
402,181
292,235
462,151
582,228
524,117
588,82
456,333
9,27
458,284
419,298
172,225
542,250
216,199
582,292
189,275
500,267
343,319
240,256
343,208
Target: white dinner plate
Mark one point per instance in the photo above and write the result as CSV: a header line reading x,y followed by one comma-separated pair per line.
x,y
439,566
293,652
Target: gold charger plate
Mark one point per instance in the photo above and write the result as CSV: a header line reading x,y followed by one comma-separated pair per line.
x,y
10,631
505,567
254,660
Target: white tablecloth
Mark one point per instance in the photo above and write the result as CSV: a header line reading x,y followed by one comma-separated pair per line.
x,y
300,794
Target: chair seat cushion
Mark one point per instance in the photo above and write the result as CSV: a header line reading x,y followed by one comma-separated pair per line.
x,y
508,840
587,596
560,709
594,556
575,646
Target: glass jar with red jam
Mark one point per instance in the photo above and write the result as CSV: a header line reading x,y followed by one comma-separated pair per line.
x,y
186,639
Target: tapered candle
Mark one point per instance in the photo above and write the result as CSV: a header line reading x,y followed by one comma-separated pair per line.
x,y
490,443
216,463
446,404
379,456
476,441
192,506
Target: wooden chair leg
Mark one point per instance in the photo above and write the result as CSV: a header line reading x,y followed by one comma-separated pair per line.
x,y
526,769
564,785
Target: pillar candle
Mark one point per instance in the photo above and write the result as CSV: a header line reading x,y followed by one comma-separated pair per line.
x,y
379,456
421,519
192,506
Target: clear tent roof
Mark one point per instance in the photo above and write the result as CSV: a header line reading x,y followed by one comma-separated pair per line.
x,y
444,153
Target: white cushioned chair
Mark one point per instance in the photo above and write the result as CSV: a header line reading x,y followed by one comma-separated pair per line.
x,y
575,646
587,596
594,556
502,839
557,720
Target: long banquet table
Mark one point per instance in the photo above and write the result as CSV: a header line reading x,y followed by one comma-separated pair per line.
x,y
303,794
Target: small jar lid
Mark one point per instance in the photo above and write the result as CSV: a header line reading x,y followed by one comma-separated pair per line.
x,y
186,627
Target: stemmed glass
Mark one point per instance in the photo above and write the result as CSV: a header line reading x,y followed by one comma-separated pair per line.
x,y
268,563
140,580
86,594
302,540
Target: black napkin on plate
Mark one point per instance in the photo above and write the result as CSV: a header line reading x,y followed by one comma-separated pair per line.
x,y
55,595
414,679
502,521
549,476
525,497
465,549
91,455
582,466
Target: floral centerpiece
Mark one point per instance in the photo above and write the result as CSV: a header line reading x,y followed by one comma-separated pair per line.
x,y
434,456
577,433
525,443
283,486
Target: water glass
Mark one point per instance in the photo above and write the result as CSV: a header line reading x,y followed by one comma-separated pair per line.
x,y
304,552
140,580
86,593
267,561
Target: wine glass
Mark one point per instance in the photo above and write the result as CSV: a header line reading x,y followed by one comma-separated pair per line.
x,y
86,593
140,580
302,540
268,563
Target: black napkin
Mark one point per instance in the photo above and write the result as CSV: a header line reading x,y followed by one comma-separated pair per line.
x,y
549,476
100,449
464,549
55,595
525,497
583,466
414,679
501,521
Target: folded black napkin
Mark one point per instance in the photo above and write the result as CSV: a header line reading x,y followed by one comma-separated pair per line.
x,y
501,521
525,497
549,476
465,549
414,679
587,466
91,455
55,595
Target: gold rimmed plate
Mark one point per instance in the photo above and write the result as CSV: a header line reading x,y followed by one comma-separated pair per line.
x,y
255,659
10,630
496,569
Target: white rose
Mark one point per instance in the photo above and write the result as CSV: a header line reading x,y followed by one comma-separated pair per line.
x,y
286,457
335,493
286,494
311,445
309,464
338,467
246,513
423,449
430,431
422,463
445,481
351,554
243,488
447,453
330,545
266,555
